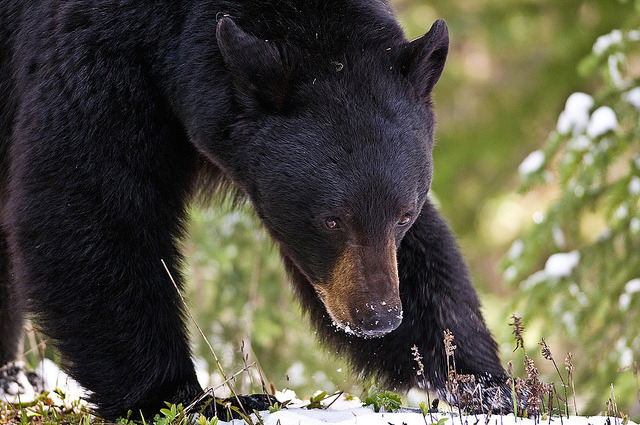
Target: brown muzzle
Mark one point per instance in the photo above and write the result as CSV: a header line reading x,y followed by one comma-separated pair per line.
x,y
362,294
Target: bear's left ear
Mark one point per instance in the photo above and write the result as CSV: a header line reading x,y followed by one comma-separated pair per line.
x,y
423,59
255,65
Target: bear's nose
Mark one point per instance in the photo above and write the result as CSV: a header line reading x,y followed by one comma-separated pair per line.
x,y
381,320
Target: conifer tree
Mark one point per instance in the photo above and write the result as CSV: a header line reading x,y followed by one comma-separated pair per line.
x,y
577,269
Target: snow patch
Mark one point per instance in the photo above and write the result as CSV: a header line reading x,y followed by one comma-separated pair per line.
x,y
587,158
633,97
634,185
366,415
581,143
532,163
561,264
516,250
622,212
569,321
558,237
632,286
605,41
575,116
534,280
602,121
626,358
624,301
538,217
510,273
634,225
614,62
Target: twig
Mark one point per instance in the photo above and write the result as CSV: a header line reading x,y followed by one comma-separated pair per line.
x,y
215,358
211,391
338,394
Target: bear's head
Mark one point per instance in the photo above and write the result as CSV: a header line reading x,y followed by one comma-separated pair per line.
x,y
333,147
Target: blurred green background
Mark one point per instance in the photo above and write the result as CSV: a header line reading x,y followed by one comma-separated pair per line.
x,y
512,64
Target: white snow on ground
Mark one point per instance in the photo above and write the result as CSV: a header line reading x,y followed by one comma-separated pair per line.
x,y
339,410
532,163
351,412
55,378
602,120
561,264
366,416
575,116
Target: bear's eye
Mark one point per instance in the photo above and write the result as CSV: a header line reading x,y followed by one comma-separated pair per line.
x,y
332,223
405,219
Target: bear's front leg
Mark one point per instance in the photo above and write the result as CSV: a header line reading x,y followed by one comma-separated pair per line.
x,y
97,200
436,295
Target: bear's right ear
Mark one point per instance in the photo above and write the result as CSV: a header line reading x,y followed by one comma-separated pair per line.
x,y
422,60
255,65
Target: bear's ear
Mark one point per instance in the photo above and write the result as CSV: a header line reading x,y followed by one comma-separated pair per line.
x,y
255,65
423,59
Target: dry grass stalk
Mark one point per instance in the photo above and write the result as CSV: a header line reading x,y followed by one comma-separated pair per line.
x,y
518,330
420,372
452,376
612,406
569,366
215,357
546,353
536,389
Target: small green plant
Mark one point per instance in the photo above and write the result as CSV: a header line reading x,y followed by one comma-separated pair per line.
x,y
424,408
170,415
315,401
127,420
387,400
275,408
203,420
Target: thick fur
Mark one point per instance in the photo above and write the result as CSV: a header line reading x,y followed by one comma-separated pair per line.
x,y
114,113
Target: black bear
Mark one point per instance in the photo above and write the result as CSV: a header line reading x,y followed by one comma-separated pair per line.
x,y
114,114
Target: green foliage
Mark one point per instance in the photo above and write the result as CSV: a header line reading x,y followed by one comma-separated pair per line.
x,y
577,269
386,400
46,409
203,420
172,414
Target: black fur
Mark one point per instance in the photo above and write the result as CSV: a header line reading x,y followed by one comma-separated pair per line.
x,y
318,111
